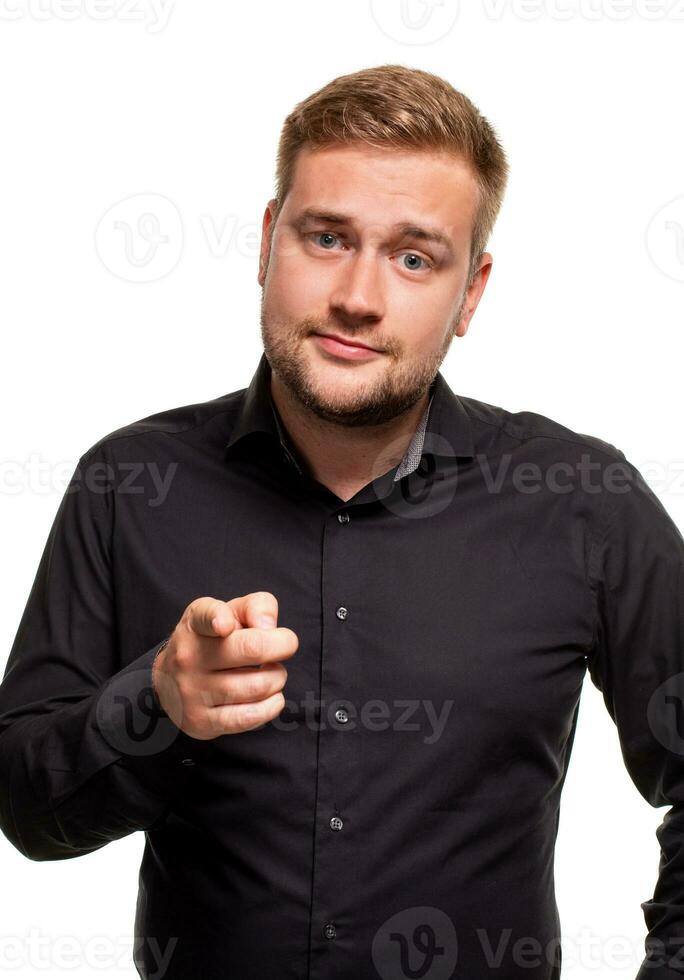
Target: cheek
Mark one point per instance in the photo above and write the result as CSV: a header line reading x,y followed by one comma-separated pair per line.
x,y
422,320
427,302
296,281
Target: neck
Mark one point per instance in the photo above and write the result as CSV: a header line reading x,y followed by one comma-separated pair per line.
x,y
344,458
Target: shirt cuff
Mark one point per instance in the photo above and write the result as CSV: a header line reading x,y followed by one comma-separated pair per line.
x,y
133,723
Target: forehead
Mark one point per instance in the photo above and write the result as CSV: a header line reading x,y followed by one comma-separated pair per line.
x,y
377,186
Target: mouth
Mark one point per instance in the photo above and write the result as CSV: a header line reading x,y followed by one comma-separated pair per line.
x,y
341,347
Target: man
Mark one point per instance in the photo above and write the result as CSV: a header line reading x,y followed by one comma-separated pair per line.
x,y
334,670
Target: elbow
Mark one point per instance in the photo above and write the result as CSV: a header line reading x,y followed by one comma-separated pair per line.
x,y
46,848
37,841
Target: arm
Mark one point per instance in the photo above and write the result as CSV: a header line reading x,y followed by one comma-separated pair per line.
x,y
637,662
87,755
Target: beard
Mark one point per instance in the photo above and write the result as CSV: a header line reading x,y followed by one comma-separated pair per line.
x,y
374,402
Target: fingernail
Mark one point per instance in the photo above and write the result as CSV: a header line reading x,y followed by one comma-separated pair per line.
x,y
266,622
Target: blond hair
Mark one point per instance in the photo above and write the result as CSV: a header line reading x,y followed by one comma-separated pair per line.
x,y
392,106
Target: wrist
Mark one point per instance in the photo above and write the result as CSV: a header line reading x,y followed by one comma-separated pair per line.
x,y
155,668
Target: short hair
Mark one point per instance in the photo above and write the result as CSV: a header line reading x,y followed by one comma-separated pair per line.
x,y
397,107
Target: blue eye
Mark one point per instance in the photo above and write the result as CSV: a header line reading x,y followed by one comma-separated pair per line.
x,y
325,234
327,240
412,255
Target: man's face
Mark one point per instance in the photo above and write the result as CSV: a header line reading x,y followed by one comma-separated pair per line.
x,y
349,257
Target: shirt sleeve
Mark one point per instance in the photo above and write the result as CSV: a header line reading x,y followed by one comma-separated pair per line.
x,y
87,754
637,662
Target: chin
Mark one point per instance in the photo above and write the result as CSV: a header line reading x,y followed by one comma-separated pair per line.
x,y
342,377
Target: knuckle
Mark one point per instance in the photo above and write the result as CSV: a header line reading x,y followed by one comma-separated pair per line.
x,y
219,722
262,598
248,714
256,645
204,695
182,656
236,646
193,719
254,688
262,594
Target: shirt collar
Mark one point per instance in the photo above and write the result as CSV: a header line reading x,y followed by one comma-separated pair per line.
x,y
448,434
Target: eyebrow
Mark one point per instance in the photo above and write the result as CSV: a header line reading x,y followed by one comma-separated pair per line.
x,y
407,229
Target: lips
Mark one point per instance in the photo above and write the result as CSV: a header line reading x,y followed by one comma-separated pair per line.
x,y
332,345
348,340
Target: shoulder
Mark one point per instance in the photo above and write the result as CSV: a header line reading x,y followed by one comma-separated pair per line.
x,y
525,428
193,421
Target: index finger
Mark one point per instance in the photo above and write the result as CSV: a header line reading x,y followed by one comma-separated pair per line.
x,y
211,617
259,609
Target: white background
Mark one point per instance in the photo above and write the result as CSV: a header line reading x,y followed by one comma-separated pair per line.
x,y
581,319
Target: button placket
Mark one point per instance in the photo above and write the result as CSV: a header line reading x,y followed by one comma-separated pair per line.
x,y
339,745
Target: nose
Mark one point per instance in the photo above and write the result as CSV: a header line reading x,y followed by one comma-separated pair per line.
x,y
357,294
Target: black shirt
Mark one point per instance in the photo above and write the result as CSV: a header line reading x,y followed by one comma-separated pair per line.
x,y
398,818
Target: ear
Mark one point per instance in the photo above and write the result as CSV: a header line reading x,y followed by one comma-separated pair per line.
x,y
474,293
266,234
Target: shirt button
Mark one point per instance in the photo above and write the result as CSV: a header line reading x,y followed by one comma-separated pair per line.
x,y
336,823
329,931
342,716
341,613
343,517
188,762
